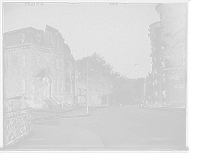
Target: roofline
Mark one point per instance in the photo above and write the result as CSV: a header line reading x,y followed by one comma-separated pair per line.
x,y
18,45
154,25
27,44
13,31
157,9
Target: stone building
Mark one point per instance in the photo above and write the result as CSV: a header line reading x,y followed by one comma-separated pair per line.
x,y
38,66
155,38
173,90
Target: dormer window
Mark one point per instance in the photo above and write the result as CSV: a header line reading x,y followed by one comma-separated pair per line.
x,y
22,37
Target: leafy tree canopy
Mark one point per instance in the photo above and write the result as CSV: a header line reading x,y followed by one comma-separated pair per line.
x,y
102,79
139,85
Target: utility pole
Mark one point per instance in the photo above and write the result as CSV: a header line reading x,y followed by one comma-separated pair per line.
x,y
88,112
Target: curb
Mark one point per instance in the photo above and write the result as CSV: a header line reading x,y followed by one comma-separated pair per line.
x,y
164,109
60,116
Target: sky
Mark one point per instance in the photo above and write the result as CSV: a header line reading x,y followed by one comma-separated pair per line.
x,y
119,33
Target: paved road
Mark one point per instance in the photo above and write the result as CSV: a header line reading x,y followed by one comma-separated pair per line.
x,y
120,128
139,128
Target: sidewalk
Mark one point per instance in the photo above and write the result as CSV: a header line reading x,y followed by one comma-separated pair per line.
x,y
77,112
183,110
51,131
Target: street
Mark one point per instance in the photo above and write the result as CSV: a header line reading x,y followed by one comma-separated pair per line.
x,y
109,128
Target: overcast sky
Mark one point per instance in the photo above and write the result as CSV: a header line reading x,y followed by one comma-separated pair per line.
x,y
117,32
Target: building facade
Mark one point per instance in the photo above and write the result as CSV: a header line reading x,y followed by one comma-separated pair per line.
x,y
147,90
166,84
155,38
173,90
35,65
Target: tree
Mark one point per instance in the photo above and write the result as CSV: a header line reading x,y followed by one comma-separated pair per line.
x,y
139,88
174,27
102,79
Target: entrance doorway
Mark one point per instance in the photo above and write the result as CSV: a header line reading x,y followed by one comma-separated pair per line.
x,y
47,89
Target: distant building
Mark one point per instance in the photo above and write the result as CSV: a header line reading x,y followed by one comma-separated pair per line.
x,y
38,65
147,90
125,94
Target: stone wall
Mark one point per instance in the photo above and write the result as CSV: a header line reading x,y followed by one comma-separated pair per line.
x,y
17,123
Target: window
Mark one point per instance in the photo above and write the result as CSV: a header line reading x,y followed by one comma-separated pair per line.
x,y
164,77
155,81
163,63
68,87
162,48
38,60
153,48
161,32
22,37
4,37
164,93
155,71
164,103
23,86
38,38
58,43
156,93
154,36
85,91
23,61
57,64
79,91
155,59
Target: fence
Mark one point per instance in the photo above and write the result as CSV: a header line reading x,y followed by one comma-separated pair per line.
x,y
16,124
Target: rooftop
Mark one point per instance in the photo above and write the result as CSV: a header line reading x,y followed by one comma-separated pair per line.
x,y
41,31
154,25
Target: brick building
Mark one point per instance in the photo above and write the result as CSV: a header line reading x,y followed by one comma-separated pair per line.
x,y
38,65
